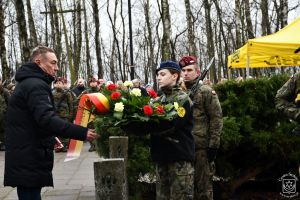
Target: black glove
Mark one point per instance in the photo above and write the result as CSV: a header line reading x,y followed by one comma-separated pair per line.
x,y
211,154
296,131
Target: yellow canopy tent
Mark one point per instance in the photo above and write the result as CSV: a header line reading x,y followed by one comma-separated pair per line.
x,y
279,49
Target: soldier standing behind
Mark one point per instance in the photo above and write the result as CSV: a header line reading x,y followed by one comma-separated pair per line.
x,y
207,128
63,101
11,88
80,87
4,95
93,88
287,98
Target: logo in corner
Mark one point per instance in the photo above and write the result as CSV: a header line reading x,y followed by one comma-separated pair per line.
x,y
288,185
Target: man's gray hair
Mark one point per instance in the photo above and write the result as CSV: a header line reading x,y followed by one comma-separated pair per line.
x,y
39,50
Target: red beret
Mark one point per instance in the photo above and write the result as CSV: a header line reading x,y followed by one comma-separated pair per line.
x,y
61,79
187,60
93,79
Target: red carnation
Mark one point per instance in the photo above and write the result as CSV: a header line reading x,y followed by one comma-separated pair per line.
x,y
152,93
148,110
115,95
112,87
160,110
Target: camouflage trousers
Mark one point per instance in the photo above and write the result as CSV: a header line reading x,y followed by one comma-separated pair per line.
x,y
203,176
175,181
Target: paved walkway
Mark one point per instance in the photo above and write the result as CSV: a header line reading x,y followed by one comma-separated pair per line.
x,y
73,180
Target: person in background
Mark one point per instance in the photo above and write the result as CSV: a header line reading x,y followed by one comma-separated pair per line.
x,y
32,125
137,84
80,87
63,101
287,100
4,95
11,87
101,83
207,115
93,88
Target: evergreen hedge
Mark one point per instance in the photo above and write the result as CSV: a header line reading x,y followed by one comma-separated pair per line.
x,y
256,140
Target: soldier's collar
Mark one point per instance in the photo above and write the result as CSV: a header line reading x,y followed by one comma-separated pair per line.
x,y
190,84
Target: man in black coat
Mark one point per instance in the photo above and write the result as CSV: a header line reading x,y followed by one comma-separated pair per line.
x,y
32,126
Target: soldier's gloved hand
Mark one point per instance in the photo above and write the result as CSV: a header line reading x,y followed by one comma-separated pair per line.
x,y
296,131
211,154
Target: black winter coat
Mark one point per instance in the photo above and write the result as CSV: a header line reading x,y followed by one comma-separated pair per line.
x,y
30,130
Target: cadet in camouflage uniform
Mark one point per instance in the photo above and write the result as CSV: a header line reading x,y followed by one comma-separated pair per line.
x,y
286,99
172,142
63,100
4,95
208,124
93,88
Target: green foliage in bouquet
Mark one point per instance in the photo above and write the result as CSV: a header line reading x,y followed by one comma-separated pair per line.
x,y
255,136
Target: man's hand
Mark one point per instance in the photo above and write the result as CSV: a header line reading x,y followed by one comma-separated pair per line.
x,y
58,145
91,135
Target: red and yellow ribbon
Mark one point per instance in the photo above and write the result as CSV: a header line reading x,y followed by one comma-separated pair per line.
x,y
84,116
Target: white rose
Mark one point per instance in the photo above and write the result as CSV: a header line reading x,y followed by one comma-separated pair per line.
x,y
136,92
119,107
128,84
176,106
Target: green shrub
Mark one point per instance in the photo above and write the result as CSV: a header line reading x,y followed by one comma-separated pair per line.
x,y
254,133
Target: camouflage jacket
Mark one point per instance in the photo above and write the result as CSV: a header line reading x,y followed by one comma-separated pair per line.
x,y
207,115
65,100
286,95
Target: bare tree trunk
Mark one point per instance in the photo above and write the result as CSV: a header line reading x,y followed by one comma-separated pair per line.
x,y
5,70
46,23
165,43
125,57
97,38
22,28
79,38
237,12
192,49
284,13
248,20
55,31
223,38
69,51
265,22
73,40
116,45
33,37
87,44
114,42
150,42
249,29
210,40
